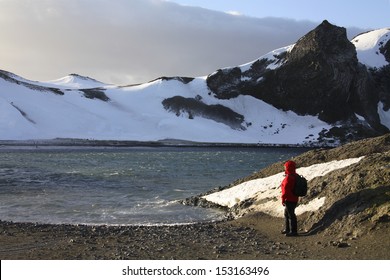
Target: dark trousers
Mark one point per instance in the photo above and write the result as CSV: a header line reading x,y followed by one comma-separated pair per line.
x,y
289,217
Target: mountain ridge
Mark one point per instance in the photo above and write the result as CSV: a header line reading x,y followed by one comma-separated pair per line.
x,y
316,92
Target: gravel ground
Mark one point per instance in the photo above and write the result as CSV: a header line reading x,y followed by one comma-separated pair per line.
x,y
255,236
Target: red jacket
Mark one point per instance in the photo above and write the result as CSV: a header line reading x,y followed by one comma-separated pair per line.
x,y
288,183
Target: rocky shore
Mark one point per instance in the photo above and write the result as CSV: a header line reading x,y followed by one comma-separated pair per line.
x,y
354,223
255,236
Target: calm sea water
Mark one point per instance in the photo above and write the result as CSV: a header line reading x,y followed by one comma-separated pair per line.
x,y
120,185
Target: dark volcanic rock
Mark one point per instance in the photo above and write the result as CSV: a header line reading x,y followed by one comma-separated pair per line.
x,y
385,50
184,80
225,83
318,75
229,83
195,107
382,79
95,93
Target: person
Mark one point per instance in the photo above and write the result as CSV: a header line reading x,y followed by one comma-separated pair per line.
x,y
289,200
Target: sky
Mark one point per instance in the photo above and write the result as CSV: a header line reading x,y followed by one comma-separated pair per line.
x,y
135,41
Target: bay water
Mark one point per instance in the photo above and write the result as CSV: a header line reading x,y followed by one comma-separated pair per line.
x,y
120,186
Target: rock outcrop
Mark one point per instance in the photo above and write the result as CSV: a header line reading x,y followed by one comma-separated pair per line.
x,y
195,107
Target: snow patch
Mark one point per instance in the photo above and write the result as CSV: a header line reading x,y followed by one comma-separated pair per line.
x,y
266,191
368,47
360,118
272,56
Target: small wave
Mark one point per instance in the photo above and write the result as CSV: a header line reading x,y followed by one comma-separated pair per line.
x,y
113,174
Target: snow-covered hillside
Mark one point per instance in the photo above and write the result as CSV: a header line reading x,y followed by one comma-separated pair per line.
x,y
83,108
368,47
137,113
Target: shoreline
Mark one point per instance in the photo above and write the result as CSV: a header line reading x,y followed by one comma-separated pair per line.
x,y
254,236
176,143
65,242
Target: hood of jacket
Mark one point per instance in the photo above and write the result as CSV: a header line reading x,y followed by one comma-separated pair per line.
x,y
290,167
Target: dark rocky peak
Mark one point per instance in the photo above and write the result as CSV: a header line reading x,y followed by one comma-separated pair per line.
x,y
327,41
318,76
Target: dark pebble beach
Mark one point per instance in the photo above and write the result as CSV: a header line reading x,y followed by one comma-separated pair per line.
x,y
255,236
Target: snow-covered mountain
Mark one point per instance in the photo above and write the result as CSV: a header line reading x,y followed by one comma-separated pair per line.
x,y
313,92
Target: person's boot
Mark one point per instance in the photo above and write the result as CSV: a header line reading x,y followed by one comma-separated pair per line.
x,y
286,227
293,226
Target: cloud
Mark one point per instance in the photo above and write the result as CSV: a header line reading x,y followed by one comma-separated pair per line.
x,y
234,13
122,41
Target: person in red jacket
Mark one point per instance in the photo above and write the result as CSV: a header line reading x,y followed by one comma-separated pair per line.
x,y
289,200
